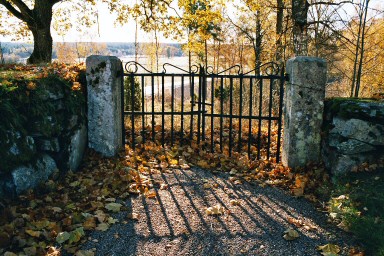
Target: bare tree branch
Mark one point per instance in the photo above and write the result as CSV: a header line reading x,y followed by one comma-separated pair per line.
x,y
12,9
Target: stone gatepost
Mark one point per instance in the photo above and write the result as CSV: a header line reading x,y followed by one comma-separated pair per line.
x,y
104,80
303,111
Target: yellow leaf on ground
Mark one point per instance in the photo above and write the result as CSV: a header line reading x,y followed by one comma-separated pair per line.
x,y
234,202
62,237
207,186
76,235
113,207
85,253
163,186
215,210
290,234
10,254
329,249
133,216
89,223
151,194
102,227
33,233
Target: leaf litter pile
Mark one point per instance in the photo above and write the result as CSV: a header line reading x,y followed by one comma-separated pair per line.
x,y
170,200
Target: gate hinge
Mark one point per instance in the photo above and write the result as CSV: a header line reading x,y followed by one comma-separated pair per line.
x,y
286,77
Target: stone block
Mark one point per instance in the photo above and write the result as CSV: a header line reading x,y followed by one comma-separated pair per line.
x,y
46,144
104,85
359,130
303,111
77,146
27,177
15,149
353,134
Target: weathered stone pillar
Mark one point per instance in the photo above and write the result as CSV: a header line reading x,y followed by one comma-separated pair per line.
x,y
104,80
303,111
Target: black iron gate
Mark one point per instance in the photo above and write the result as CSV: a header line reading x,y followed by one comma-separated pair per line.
x,y
229,111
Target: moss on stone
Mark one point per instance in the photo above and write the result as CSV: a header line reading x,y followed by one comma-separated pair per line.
x,y
34,112
370,110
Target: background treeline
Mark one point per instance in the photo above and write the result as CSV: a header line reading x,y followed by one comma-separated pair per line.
x,y
72,52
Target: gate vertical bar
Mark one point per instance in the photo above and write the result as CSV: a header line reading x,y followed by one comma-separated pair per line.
x,y
132,84
203,99
240,112
153,106
260,114
162,110
192,97
212,111
142,108
182,110
199,100
221,112
269,117
172,106
250,116
230,113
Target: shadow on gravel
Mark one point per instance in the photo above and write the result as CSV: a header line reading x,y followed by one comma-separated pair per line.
x,y
175,222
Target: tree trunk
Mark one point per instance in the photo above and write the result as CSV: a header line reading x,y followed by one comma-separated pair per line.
x,y
258,41
353,84
42,47
358,79
300,24
279,31
1,55
40,26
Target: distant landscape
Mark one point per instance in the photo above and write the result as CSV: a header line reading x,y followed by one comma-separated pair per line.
x,y
69,52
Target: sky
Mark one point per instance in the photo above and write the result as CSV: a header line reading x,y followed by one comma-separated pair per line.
x,y
111,33
108,32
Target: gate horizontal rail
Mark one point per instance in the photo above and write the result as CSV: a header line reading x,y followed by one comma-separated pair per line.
x,y
225,112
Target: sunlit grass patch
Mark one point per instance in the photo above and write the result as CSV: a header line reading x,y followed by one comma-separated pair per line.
x,y
358,205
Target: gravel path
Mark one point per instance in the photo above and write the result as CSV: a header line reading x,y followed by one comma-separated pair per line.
x,y
175,222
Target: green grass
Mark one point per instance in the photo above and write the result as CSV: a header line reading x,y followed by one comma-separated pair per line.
x,y
358,202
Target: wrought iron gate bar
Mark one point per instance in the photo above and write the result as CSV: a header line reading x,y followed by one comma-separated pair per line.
x,y
206,75
215,103
176,113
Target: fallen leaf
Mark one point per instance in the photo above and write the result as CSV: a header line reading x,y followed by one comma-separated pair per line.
x,y
85,253
112,220
133,216
290,234
33,233
62,237
234,202
151,194
57,209
113,207
215,210
76,235
10,254
329,249
30,251
100,215
102,227
89,223
207,186
163,186
53,251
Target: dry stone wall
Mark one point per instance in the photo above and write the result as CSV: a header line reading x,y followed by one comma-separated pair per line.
x,y
51,141
353,135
